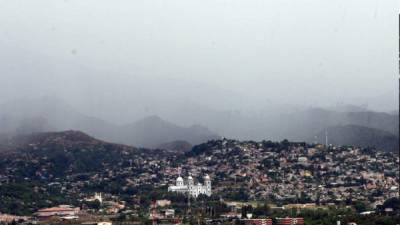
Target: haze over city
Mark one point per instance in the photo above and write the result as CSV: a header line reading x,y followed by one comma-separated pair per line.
x,y
228,68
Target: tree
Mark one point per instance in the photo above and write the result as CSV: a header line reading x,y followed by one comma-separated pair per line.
x,y
263,210
246,210
96,205
360,207
393,203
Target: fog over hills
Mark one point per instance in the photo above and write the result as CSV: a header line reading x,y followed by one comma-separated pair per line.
x,y
153,131
294,124
241,69
52,114
354,135
49,114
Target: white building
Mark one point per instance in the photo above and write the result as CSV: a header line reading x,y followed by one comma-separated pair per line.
x,y
191,188
97,196
97,223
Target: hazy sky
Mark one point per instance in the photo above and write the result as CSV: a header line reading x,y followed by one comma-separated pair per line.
x,y
136,57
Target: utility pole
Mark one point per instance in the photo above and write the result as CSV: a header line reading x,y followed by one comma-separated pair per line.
x,y
154,212
189,207
326,138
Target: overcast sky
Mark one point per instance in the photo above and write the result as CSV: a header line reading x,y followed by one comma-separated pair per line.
x,y
116,58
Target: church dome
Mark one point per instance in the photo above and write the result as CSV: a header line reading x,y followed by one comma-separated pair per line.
x,y
206,177
190,178
179,179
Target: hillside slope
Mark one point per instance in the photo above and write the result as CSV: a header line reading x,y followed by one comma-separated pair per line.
x,y
153,131
359,136
64,152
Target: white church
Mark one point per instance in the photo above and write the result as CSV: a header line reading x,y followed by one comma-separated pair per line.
x,y
191,188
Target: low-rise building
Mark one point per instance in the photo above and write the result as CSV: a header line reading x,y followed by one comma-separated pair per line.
x,y
97,223
257,221
290,221
66,211
6,218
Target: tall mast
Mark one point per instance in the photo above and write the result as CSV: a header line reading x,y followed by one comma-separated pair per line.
x,y
326,137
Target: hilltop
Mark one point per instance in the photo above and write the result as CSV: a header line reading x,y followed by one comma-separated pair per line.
x,y
153,131
359,136
176,146
55,154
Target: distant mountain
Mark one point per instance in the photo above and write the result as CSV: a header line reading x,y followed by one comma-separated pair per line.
x,y
6,142
303,124
176,146
153,131
378,120
359,136
63,139
55,141
51,114
293,123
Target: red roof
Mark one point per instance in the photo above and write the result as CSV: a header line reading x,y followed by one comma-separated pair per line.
x,y
55,209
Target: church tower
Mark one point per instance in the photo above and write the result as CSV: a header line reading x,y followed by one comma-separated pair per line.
x,y
179,182
190,185
207,183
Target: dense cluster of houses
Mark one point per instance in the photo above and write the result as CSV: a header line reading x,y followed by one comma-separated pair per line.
x,y
297,173
284,173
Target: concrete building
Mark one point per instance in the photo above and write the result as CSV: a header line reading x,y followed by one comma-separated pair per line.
x,y
257,221
66,211
290,221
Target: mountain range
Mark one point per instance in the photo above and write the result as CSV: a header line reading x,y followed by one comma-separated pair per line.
x,y
51,114
363,128
354,135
